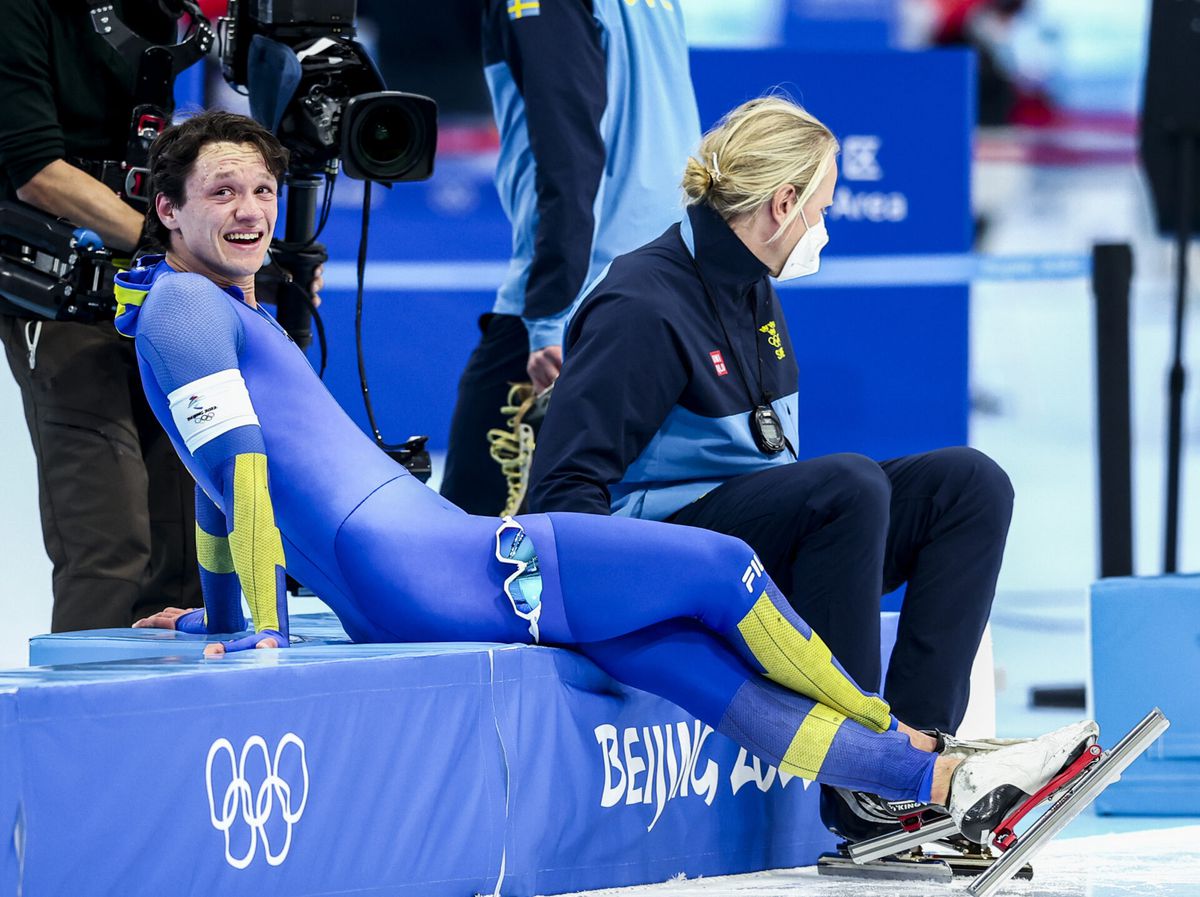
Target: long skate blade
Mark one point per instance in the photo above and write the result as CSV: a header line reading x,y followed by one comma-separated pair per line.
x,y
900,841
964,867
885,870
1069,805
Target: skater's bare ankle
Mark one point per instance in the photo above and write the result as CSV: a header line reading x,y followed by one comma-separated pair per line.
x,y
943,769
919,740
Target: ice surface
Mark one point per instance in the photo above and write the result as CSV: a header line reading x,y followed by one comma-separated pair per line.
x,y
1158,863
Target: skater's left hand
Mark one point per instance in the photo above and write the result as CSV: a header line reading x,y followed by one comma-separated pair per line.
x,y
267,638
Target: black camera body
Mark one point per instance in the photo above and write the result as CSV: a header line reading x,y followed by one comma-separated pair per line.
x,y
330,102
53,269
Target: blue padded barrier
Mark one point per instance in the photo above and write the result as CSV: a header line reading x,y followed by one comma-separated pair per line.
x,y
1145,634
431,769
116,761
11,821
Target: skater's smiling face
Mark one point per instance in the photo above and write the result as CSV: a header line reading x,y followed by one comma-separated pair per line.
x,y
223,225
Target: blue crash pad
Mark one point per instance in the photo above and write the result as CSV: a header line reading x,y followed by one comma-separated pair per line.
x,y
334,768
422,769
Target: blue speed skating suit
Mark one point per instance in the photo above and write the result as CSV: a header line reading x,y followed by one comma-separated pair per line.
x,y
284,477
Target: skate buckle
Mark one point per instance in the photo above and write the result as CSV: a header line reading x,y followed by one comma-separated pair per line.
x,y
912,822
1004,836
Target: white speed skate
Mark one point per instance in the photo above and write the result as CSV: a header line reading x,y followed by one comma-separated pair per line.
x,y
860,817
1000,790
987,785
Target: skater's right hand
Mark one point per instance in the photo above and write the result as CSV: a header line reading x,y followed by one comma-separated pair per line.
x,y
181,620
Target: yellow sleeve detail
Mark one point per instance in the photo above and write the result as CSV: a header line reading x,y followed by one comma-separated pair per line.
x,y
213,552
254,541
805,665
807,752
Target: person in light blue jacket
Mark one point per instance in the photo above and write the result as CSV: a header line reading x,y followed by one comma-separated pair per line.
x,y
593,100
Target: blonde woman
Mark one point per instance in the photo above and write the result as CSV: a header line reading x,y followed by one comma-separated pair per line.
x,y
678,402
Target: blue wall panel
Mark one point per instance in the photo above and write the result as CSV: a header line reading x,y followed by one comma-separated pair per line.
x,y
883,370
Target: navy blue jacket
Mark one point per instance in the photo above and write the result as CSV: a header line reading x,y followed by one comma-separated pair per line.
x,y
593,100
652,409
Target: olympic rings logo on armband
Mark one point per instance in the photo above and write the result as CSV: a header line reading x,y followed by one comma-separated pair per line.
x,y
256,807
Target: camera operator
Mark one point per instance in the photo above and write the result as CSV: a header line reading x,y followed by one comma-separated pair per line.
x,y
117,506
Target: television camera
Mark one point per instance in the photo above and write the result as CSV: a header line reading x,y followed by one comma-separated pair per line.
x,y
312,83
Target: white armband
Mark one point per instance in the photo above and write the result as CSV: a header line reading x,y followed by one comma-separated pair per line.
x,y
210,406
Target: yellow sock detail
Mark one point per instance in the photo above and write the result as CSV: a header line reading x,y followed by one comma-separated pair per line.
x,y
213,552
805,665
254,542
807,752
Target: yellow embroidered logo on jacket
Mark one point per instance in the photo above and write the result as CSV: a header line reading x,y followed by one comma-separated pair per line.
x,y
773,339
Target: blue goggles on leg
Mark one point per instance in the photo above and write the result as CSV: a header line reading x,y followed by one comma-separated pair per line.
x,y
523,585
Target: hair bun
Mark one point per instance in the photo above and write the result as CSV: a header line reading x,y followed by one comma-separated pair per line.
x,y
697,179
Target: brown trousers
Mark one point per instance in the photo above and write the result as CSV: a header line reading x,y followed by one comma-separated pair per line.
x,y
117,505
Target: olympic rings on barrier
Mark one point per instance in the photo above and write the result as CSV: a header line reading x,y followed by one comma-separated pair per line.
x,y
255,808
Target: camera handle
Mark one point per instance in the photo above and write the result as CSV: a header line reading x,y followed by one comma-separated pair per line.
x,y
298,255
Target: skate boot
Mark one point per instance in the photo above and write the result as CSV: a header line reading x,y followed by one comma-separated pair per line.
x,y
989,784
859,817
1060,774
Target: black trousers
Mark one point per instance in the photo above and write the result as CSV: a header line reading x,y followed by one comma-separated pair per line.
x,y
472,480
836,533
117,505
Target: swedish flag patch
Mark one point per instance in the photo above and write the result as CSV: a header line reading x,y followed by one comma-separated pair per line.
x,y
523,9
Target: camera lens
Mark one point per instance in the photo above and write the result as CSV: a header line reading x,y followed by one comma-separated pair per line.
x,y
389,136
386,137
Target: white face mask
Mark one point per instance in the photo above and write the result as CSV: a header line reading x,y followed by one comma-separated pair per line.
x,y
805,257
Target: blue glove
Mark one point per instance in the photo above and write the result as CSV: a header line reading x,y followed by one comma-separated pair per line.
x,y
193,622
251,641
